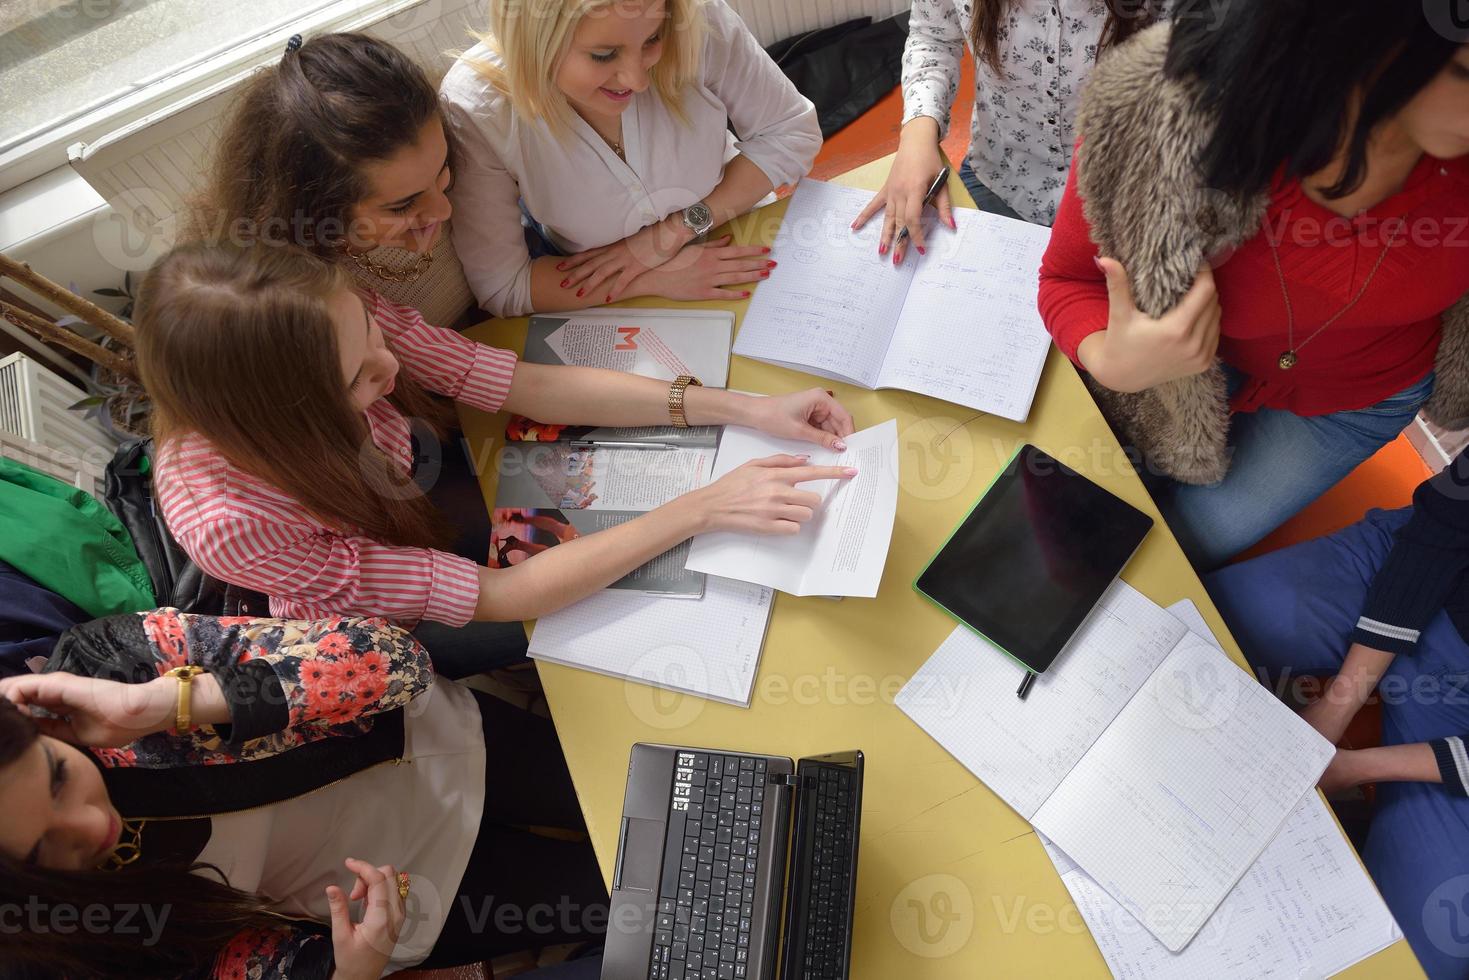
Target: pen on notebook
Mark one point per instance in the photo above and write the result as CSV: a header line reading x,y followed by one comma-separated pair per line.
x,y
621,445
934,188
1025,685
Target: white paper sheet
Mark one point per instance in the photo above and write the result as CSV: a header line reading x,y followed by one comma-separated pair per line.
x,y
1306,908
1023,749
1203,765
709,647
842,550
1156,763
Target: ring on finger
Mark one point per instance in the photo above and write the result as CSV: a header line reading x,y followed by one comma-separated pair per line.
x,y
404,882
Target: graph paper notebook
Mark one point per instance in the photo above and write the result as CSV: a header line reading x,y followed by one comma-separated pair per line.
x,y
834,307
1306,908
1155,763
709,647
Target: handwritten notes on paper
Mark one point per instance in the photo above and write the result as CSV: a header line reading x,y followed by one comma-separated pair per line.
x,y
959,323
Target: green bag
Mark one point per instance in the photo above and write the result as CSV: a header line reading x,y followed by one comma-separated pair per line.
x,y
67,542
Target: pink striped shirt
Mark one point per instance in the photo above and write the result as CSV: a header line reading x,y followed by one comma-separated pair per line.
x,y
243,530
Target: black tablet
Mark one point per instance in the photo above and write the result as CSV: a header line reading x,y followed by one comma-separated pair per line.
x,y
1033,557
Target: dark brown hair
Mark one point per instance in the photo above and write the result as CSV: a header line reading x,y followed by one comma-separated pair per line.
x,y
237,345
289,167
1124,19
195,914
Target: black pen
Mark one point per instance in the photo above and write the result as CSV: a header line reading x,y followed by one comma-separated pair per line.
x,y
1025,685
938,184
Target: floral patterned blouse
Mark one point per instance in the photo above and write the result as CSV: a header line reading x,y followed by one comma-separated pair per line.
x,y
1024,121
331,678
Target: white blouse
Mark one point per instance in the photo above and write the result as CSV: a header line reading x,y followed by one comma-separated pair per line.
x,y
421,816
581,191
1024,122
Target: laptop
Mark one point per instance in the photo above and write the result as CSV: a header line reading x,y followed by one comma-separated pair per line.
x,y
735,866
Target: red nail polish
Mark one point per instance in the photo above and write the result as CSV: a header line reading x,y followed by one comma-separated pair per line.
x,y
608,299
952,223
560,266
745,294
580,293
765,275
922,250
765,251
897,257
565,283
771,265
882,250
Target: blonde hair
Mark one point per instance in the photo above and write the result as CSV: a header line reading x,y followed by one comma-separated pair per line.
x,y
531,39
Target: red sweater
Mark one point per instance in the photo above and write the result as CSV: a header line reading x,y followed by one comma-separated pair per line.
x,y
1382,345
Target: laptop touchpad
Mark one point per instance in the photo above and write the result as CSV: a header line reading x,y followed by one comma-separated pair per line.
x,y
642,855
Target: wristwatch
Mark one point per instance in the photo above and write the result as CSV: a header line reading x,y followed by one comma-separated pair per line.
x,y
185,675
676,394
698,219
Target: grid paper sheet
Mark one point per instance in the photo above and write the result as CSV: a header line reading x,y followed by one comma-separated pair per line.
x,y
708,647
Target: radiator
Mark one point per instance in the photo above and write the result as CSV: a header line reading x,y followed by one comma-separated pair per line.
x,y
33,408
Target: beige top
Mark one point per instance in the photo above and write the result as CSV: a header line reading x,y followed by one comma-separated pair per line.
x,y
441,293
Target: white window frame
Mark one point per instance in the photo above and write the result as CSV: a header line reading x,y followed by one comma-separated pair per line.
x,y
216,68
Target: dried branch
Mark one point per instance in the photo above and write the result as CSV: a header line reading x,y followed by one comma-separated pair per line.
x,y
21,272
50,332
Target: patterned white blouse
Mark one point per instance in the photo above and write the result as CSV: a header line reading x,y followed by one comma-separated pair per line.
x,y
1024,121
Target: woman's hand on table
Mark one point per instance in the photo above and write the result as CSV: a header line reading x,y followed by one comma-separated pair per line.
x,y
603,275
919,161
763,495
813,415
699,271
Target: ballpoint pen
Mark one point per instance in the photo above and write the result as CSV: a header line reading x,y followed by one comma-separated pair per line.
x,y
621,445
934,188
1030,676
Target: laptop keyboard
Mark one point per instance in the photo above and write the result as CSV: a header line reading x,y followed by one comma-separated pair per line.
x,y
824,956
711,855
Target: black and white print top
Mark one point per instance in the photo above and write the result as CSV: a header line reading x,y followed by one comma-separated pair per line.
x,y
1024,120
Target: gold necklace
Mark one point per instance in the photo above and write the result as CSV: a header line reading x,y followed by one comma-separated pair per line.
x,y
127,851
1291,356
411,274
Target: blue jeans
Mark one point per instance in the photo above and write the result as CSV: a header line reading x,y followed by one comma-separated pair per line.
x,y
984,198
1294,610
1281,462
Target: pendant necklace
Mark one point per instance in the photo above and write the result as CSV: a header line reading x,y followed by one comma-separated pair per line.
x,y
1291,356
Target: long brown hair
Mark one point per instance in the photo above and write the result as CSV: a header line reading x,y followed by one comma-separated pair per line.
x,y
191,918
1124,19
289,167
237,345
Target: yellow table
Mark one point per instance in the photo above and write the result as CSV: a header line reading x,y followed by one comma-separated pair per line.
x,y
951,882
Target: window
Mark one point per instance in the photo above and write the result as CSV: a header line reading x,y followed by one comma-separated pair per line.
x,y
64,58
74,70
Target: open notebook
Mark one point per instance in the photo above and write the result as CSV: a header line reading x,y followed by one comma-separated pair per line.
x,y
959,323
1306,908
708,646
1144,753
